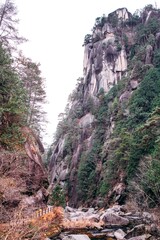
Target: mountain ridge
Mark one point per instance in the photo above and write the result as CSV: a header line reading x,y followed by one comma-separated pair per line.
x,y
94,159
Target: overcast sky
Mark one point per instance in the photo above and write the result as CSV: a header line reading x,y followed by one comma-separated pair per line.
x,y
55,30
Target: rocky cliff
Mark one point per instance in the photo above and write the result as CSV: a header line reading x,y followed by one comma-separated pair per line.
x,y
23,177
106,145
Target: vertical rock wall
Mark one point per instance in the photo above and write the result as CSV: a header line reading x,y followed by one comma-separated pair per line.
x,y
104,64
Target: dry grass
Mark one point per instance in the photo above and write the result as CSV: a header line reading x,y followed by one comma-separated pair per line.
x,y
33,228
47,225
82,224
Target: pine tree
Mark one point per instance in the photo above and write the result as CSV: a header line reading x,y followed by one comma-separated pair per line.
x,y
22,90
12,98
34,85
9,34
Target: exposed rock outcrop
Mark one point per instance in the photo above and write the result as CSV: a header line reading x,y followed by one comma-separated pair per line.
x,y
103,66
23,176
94,156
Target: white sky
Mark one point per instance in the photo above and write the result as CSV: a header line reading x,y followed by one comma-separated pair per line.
x,y
56,30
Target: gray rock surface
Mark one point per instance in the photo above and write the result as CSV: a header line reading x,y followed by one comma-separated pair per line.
x,y
76,237
142,237
114,222
134,84
136,231
112,219
119,234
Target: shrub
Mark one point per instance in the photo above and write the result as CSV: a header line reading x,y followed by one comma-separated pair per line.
x,y
58,197
151,181
104,188
86,173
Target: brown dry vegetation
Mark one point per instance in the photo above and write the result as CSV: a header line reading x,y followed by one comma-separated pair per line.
x,y
20,178
33,228
82,224
47,225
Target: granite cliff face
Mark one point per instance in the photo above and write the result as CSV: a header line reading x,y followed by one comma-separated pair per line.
x,y
104,64
92,156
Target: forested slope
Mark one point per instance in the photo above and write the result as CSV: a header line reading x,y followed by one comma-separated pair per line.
x,y
22,94
106,147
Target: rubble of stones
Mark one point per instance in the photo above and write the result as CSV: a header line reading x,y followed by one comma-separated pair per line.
x,y
119,224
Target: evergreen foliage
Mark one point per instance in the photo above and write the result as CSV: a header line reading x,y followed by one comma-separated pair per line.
x,y
123,149
9,35
34,87
145,98
22,90
58,197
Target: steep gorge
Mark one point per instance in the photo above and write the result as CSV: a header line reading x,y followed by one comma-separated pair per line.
x,y
107,142
105,156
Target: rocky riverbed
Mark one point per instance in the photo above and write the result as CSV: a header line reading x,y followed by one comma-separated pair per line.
x,y
114,223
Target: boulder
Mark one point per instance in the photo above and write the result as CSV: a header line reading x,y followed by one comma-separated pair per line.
x,y
119,234
90,211
112,219
70,209
142,237
76,237
147,217
76,215
134,219
136,231
86,120
134,84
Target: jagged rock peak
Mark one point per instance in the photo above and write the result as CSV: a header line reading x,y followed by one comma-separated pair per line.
x,y
105,55
106,124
